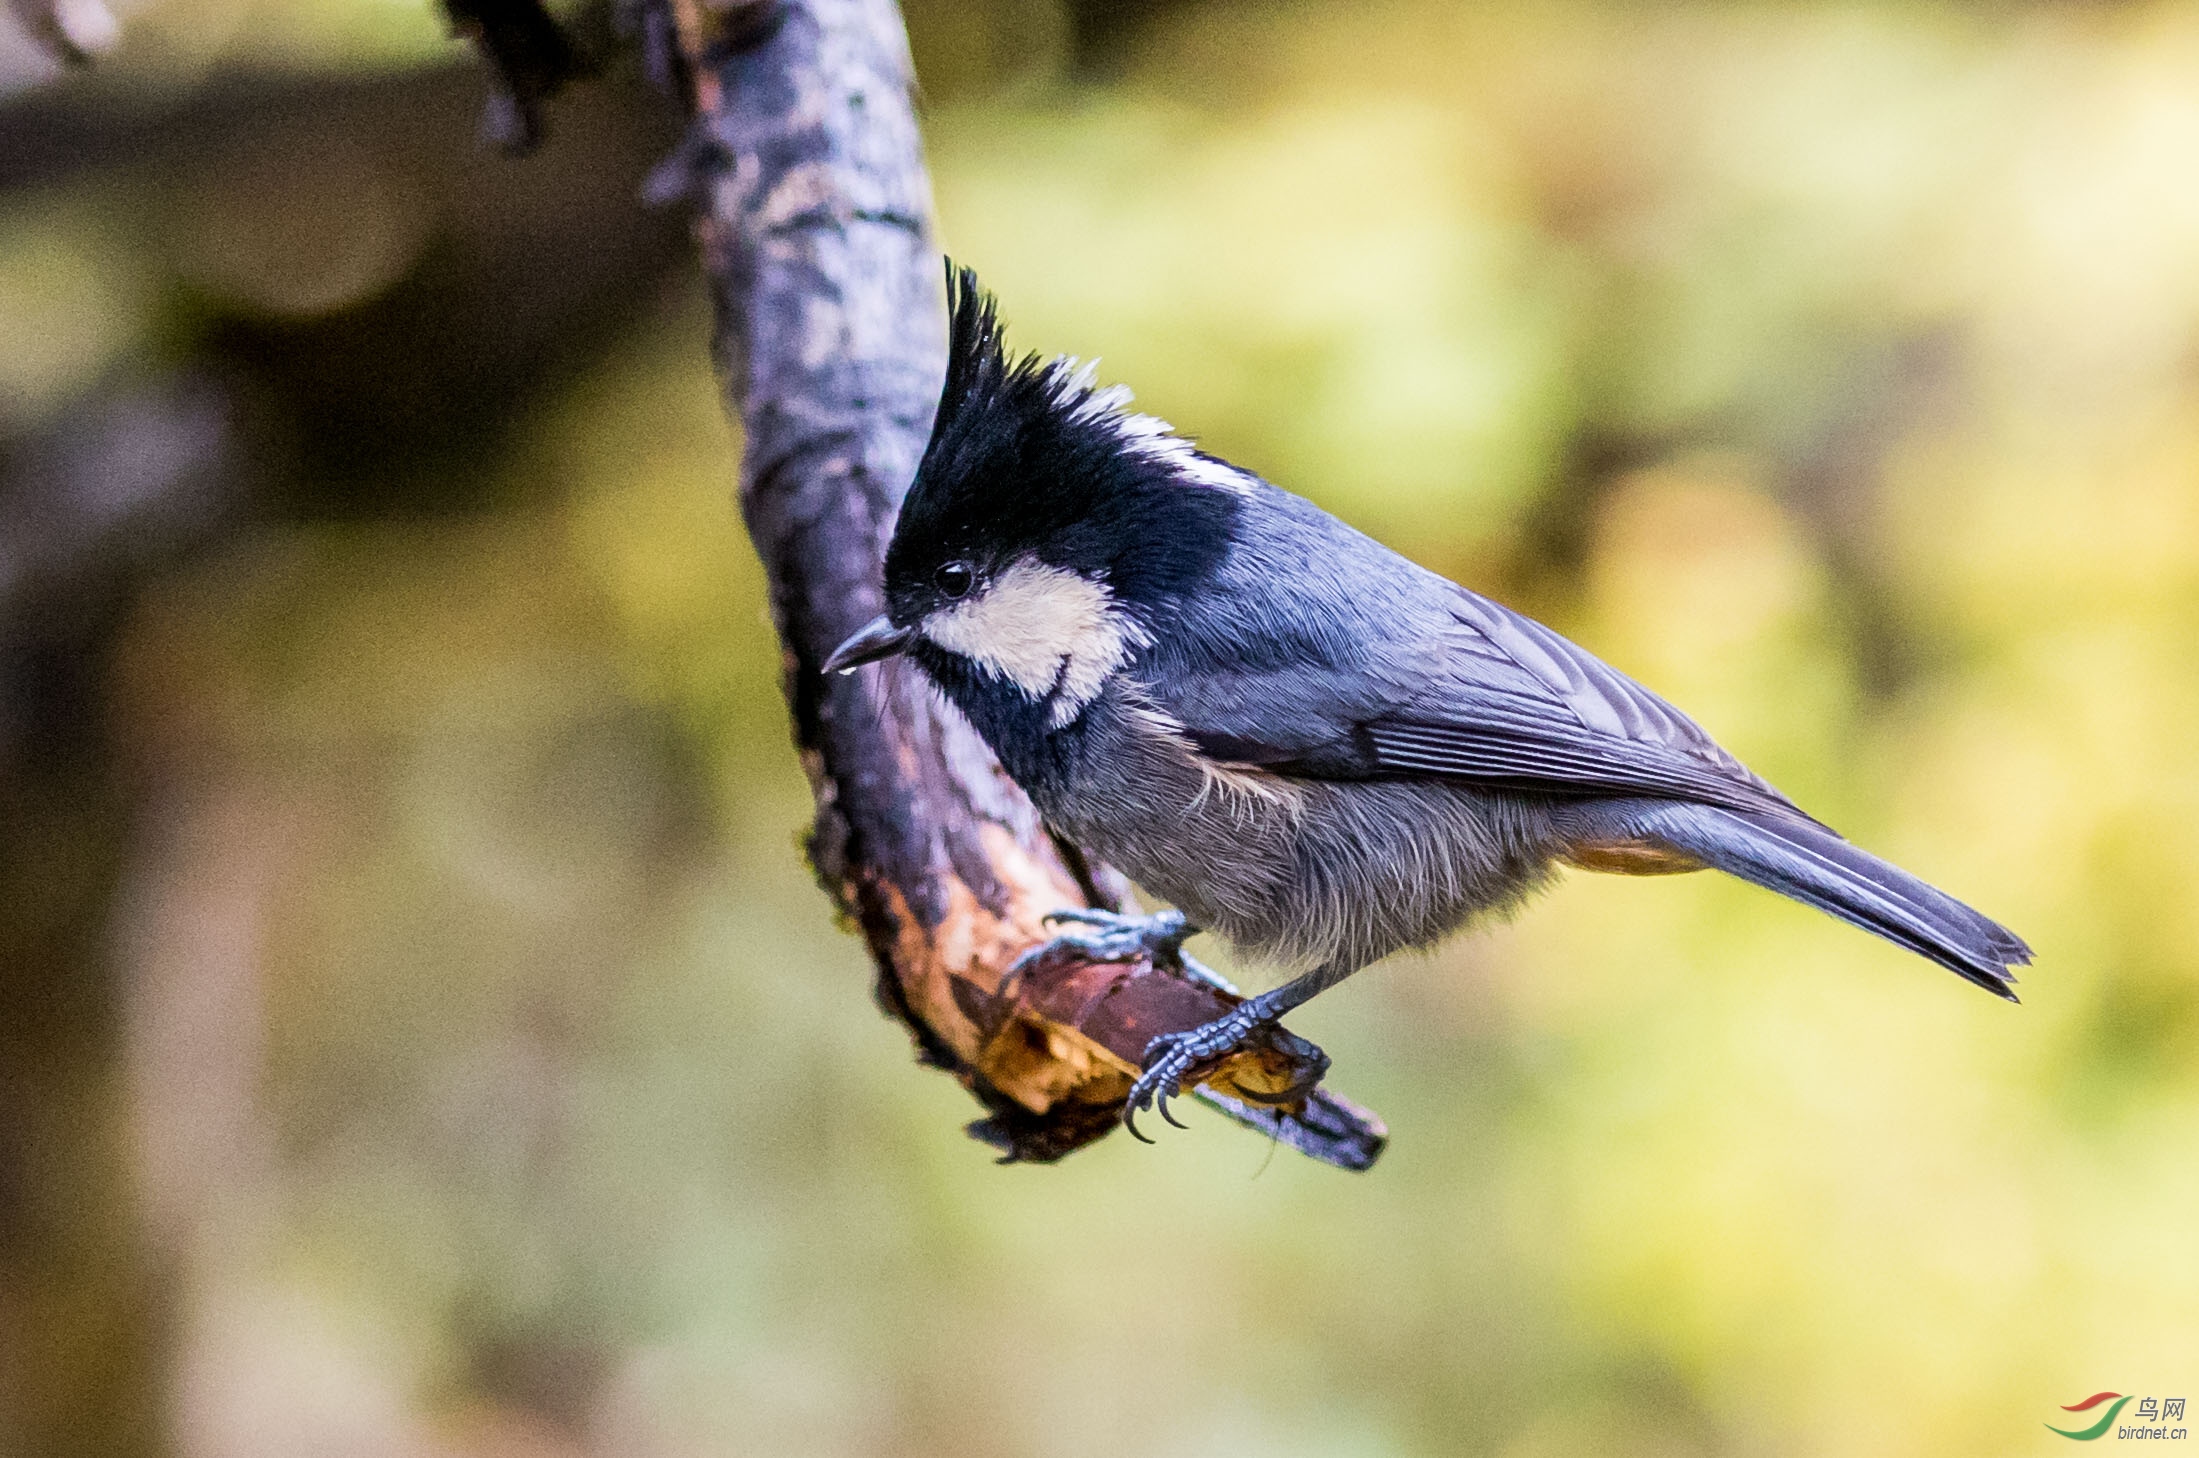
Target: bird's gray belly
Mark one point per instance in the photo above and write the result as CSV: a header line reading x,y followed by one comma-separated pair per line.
x,y
1302,872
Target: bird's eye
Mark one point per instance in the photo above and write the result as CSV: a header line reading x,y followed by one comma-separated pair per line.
x,y
954,578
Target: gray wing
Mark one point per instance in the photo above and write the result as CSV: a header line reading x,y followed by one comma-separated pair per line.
x,y
1320,653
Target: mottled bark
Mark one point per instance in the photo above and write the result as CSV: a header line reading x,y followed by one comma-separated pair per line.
x,y
815,230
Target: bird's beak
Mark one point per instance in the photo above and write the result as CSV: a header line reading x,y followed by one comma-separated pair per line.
x,y
876,639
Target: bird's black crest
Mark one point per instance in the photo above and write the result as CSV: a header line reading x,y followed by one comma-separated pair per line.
x,y
978,368
1027,456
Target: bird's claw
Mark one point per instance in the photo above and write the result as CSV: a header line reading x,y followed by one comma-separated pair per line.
x,y
1118,937
1173,1057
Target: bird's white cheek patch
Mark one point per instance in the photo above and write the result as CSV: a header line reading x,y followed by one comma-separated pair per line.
x,y
1047,630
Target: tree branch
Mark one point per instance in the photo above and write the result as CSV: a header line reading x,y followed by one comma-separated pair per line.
x,y
814,221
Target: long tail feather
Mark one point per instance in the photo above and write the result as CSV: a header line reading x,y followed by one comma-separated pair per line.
x,y
1802,859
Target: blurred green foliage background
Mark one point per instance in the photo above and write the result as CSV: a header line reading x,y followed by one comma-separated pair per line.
x,y
422,1037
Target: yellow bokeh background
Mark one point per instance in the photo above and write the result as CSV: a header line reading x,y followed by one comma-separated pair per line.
x,y
497,1082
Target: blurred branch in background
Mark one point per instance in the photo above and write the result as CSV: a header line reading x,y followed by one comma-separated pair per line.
x,y
363,311
111,491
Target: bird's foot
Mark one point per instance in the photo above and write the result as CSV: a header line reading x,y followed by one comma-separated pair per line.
x,y
1117,937
1173,1057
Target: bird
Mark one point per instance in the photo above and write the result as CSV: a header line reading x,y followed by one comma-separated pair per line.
x,y
1297,737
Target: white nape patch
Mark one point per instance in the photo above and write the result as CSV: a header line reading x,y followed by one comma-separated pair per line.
x,y
1049,631
1150,436
1155,439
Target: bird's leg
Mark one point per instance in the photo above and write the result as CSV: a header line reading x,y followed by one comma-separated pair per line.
x,y
1173,1057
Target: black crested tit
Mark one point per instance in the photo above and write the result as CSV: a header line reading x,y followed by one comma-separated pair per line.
x,y
1306,742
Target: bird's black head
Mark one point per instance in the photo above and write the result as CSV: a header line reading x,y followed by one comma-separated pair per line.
x,y
1049,532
